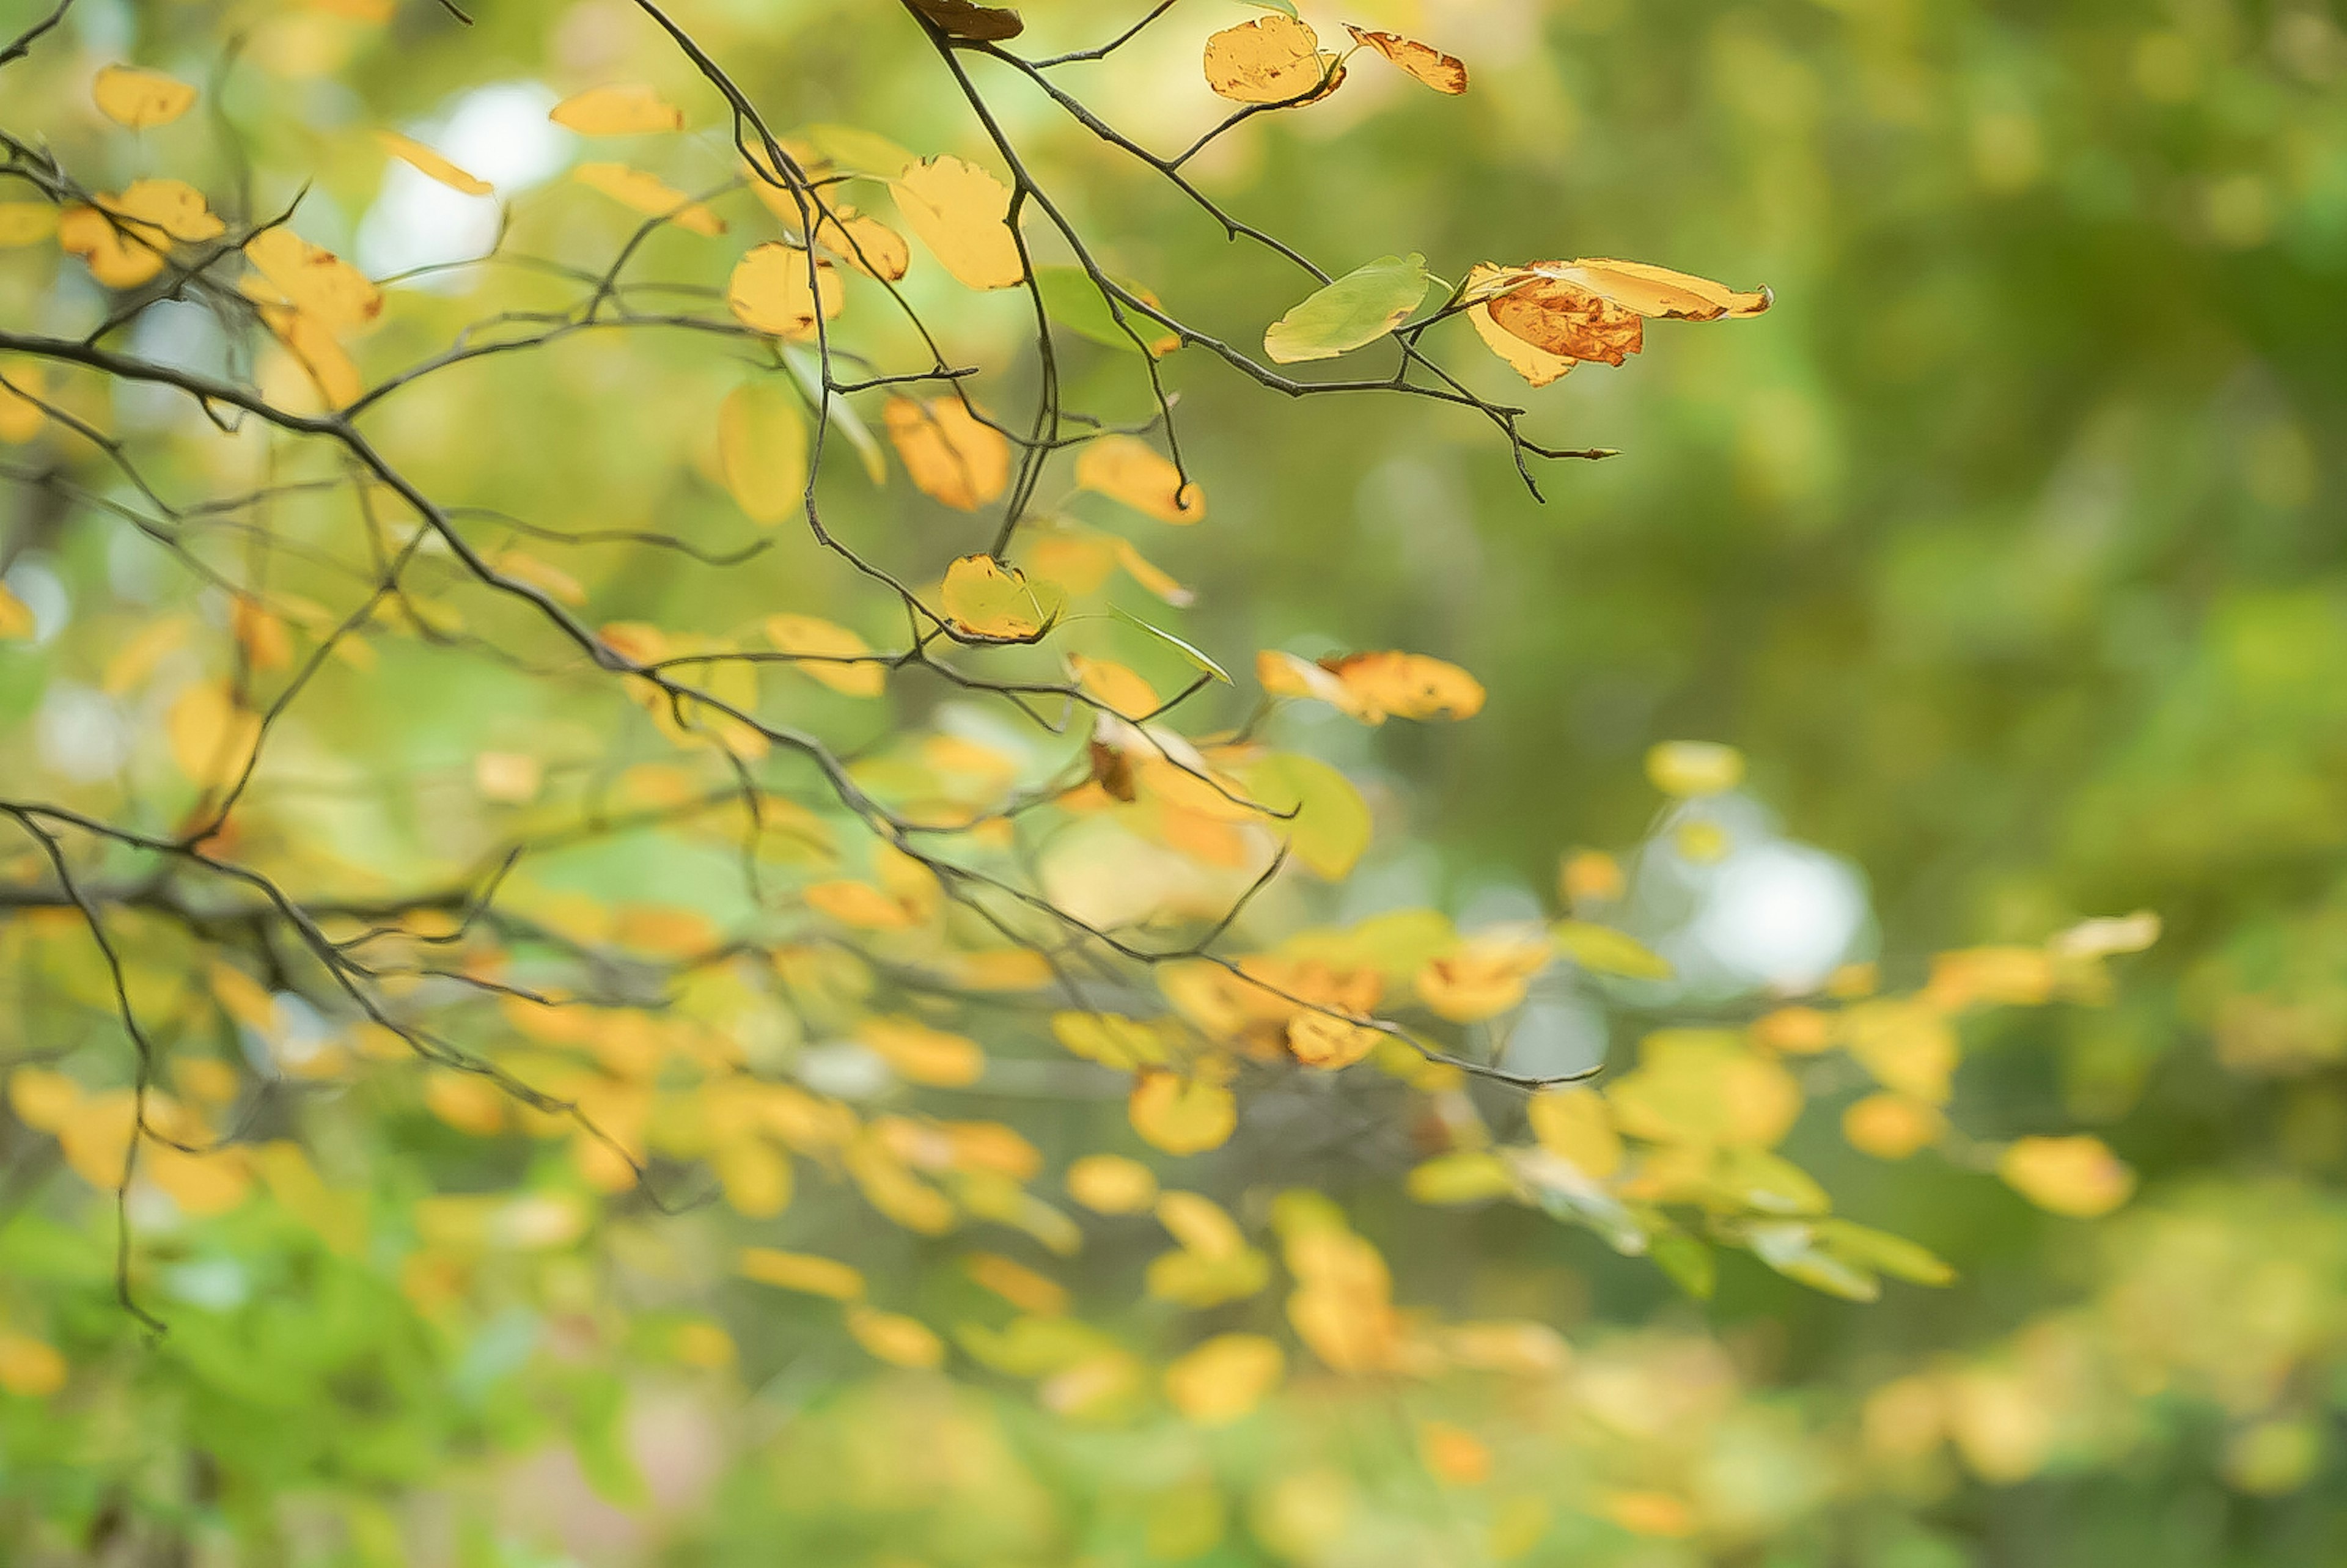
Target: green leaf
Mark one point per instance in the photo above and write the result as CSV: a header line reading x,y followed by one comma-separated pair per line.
x,y
1360,307
1331,825
1608,951
1687,1261
858,152
1790,1247
1071,299
1286,8
1198,660
1892,1255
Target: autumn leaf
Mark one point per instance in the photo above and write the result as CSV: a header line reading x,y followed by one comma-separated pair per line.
x,y
893,1337
762,447
965,19
430,163
1181,1115
1128,469
962,214
1362,306
1329,829
1270,60
2076,1176
1443,73
920,1054
862,242
1371,686
990,602
1116,685
115,259
838,657
172,206
212,736
16,622
626,109
315,282
1111,1185
769,290
950,455
139,98
650,195
1575,1124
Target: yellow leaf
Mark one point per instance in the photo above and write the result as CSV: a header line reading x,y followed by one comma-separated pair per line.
x,y
1690,768
1573,1124
1535,365
652,196
138,98
1128,469
769,290
46,1098
1443,73
172,206
1702,1087
1223,1378
1181,1115
17,623
1891,1126
1485,977
211,736
962,214
117,260
992,602
893,1337
430,163
1317,1040
1122,691
920,1054
762,448
1606,951
755,1176
950,453
1201,1224
25,223
1455,1456
867,244
2076,1176
625,110
1104,1183
1658,291
840,658
315,282
799,1271
1651,1513
1270,60
328,366
1017,1283
29,1369
1566,319
467,1102
1461,1176
967,19
1148,575
863,905
1370,686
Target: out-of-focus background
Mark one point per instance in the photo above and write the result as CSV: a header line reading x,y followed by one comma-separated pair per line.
x,y
2008,548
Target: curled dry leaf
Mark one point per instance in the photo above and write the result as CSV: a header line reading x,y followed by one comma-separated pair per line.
x,y
994,603
1273,60
1565,319
950,453
1443,73
138,99
425,161
964,19
650,195
1128,469
962,214
770,291
1535,365
623,110
1597,310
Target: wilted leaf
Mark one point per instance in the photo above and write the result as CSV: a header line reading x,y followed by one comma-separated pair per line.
x,y
138,98
1443,73
952,455
1358,308
762,447
624,109
962,214
1128,469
